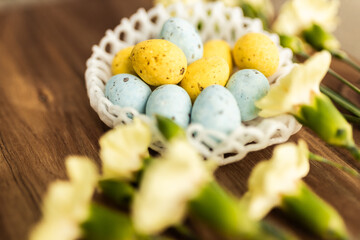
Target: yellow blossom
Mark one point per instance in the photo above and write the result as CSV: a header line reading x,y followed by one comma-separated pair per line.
x,y
298,15
167,186
270,180
122,149
297,88
66,205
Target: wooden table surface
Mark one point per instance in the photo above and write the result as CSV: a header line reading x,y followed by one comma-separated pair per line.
x,y
45,114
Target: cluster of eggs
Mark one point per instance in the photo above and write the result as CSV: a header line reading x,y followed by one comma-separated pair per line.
x,y
192,79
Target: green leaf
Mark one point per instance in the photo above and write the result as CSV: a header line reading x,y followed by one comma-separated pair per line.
x,y
314,213
118,191
106,224
168,128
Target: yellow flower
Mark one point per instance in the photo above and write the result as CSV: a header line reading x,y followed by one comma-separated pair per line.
x,y
66,205
298,15
167,186
297,88
270,180
122,149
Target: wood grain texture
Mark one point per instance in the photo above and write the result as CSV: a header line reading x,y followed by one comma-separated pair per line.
x,y
45,114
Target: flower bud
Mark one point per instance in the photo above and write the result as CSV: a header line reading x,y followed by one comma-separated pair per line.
x,y
224,213
168,128
314,213
323,118
320,39
292,42
106,224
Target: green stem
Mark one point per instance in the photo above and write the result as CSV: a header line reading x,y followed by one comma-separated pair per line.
x,y
343,102
344,57
336,75
185,232
343,80
351,171
355,151
351,63
351,118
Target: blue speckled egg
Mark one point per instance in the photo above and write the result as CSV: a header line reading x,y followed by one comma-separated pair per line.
x,y
184,35
216,109
126,90
170,101
248,86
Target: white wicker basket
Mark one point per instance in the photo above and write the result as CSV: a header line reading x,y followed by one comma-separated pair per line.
x,y
217,22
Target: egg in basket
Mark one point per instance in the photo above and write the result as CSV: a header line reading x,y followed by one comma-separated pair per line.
x,y
203,66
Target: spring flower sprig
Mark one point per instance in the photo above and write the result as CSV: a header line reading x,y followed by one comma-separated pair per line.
x,y
67,203
298,94
277,183
69,211
156,193
181,183
314,21
122,151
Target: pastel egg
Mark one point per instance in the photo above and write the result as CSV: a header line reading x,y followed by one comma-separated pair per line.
x,y
219,48
185,36
216,109
203,73
256,51
248,86
126,90
158,62
170,101
122,63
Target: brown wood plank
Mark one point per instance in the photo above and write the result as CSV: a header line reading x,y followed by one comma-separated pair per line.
x,y
45,113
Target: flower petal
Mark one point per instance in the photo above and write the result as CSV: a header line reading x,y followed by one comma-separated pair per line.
x,y
271,179
66,204
123,149
168,184
297,15
296,88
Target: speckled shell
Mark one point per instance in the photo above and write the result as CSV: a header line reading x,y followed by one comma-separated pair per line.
x,y
203,73
126,90
256,51
248,86
122,63
170,101
159,62
216,109
185,36
219,48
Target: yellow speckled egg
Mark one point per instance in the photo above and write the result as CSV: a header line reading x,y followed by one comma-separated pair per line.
x,y
256,51
219,48
121,62
159,62
203,73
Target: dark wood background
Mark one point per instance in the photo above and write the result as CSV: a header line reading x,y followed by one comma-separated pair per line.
x,y
45,113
